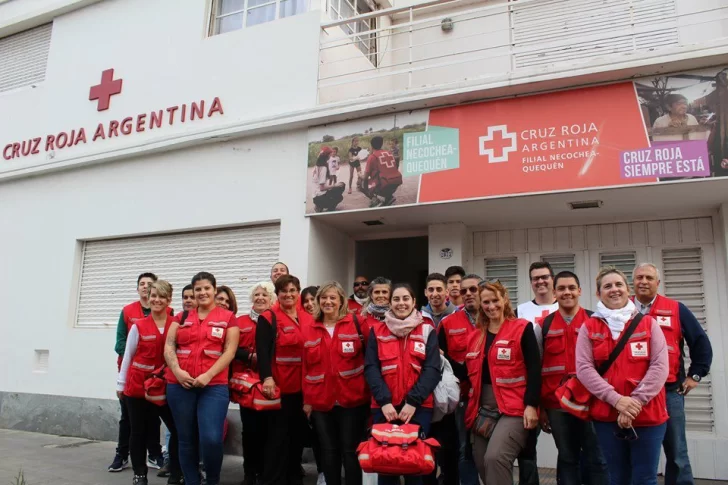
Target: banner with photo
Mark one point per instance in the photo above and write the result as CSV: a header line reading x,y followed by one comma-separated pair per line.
x,y
652,130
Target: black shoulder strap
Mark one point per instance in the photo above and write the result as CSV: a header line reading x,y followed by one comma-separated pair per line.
x,y
358,328
589,313
620,345
547,323
185,314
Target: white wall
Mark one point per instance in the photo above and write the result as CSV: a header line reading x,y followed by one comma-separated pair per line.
x,y
161,51
42,218
330,255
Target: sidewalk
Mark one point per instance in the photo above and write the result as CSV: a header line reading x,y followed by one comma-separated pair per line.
x,y
58,460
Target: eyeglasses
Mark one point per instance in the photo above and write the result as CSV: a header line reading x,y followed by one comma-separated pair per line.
x,y
626,434
361,283
544,277
472,289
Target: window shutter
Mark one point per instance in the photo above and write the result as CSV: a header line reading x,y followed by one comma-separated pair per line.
x,y
683,281
560,262
238,258
625,262
556,31
506,271
24,57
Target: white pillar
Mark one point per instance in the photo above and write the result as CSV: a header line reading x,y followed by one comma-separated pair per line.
x,y
448,246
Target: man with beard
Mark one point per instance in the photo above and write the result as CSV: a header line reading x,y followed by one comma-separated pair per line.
x,y
453,333
437,306
359,297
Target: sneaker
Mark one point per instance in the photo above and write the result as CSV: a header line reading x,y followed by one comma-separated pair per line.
x,y
175,480
164,471
119,463
321,479
140,480
155,462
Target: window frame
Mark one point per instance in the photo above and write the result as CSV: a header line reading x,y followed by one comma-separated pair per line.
x,y
216,16
366,43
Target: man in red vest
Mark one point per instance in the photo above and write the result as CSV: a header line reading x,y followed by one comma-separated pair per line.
x,y
580,459
680,327
130,314
357,299
382,175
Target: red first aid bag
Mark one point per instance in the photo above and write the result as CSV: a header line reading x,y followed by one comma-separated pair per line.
x,y
246,389
574,398
155,388
397,450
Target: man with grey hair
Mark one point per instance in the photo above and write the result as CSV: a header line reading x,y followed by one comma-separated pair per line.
x,y
680,327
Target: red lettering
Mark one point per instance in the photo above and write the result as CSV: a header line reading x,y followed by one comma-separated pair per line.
x,y
197,111
184,112
25,148
62,144
5,151
215,108
113,128
49,142
171,114
99,133
81,137
140,122
16,150
126,126
156,119
36,144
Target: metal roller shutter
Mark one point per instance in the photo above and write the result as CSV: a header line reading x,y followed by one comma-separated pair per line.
x,y
625,262
506,271
24,57
560,262
237,258
683,281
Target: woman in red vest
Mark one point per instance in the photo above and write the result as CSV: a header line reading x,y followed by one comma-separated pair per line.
x,y
143,354
335,393
262,297
198,352
225,298
403,367
379,296
504,368
279,342
629,409
308,299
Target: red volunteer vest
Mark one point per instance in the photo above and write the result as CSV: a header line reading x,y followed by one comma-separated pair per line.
x,y
287,361
333,367
457,328
353,305
627,370
401,360
247,340
507,370
149,355
201,343
559,355
667,314
384,168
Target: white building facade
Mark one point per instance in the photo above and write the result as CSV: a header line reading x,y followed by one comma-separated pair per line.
x,y
178,137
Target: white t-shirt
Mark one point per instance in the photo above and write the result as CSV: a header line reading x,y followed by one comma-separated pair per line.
x,y
132,341
535,314
331,330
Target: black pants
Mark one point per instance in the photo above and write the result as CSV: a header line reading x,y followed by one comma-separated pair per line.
x,y
152,440
254,437
143,417
527,464
448,455
340,431
282,452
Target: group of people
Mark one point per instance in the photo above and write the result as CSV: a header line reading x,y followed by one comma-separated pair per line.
x,y
379,180
339,363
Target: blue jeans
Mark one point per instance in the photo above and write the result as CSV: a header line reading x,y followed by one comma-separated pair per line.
x,y
206,407
468,472
631,461
423,417
579,452
677,466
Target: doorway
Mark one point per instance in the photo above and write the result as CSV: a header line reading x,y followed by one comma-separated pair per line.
x,y
402,260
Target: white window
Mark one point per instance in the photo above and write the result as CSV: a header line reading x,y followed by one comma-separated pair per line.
x,y
348,9
624,261
229,15
560,262
504,270
238,258
24,57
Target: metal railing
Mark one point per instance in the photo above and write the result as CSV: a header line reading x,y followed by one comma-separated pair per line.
x,y
447,41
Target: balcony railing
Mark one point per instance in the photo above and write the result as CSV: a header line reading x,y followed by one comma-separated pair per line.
x,y
449,41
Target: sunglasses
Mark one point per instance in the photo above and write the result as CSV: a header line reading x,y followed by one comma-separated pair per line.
x,y
626,434
465,291
361,283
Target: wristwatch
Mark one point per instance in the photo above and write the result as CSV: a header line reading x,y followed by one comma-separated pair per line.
x,y
696,378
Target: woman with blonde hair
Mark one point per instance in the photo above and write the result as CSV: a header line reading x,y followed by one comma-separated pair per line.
x,y
262,297
225,298
504,367
629,410
335,393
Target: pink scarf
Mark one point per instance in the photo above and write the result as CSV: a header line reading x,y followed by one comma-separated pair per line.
x,y
402,328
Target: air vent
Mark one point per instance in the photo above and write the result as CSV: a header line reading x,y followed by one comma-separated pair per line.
x,y
375,222
585,204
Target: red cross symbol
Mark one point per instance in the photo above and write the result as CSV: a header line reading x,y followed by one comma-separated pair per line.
x,y
105,90
503,351
639,346
387,159
539,320
497,144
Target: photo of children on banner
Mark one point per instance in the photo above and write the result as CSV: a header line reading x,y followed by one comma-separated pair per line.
x,y
688,107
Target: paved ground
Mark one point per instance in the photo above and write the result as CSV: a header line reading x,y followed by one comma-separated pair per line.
x,y
47,459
